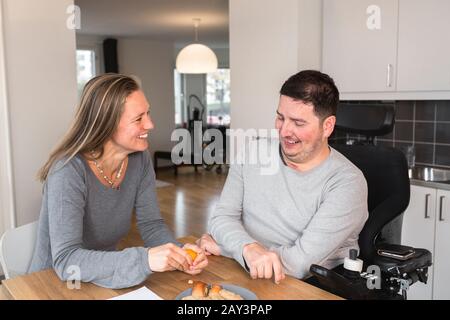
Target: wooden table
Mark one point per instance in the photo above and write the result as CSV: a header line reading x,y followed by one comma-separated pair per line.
x,y
46,284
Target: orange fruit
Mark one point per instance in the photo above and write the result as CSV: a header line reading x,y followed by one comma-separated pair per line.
x,y
192,253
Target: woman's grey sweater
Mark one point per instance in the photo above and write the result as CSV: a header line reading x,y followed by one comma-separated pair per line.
x,y
82,221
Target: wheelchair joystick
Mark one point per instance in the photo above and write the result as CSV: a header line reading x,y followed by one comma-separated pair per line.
x,y
352,265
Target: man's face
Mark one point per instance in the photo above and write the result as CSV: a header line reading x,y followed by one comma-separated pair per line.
x,y
302,135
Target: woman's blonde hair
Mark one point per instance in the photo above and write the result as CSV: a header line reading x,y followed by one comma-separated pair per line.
x,y
98,114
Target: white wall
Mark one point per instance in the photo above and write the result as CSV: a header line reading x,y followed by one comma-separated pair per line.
x,y
152,62
270,40
7,217
263,53
223,57
310,34
41,82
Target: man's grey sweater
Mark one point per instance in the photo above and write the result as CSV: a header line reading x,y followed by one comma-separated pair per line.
x,y
311,217
82,221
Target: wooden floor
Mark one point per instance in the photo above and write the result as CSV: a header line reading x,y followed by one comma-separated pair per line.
x,y
187,204
3,294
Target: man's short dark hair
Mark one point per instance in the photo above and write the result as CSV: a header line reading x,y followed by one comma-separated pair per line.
x,y
316,88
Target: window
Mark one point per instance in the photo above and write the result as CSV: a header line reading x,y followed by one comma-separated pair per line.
x,y
214,88
85,67
218,97
179,98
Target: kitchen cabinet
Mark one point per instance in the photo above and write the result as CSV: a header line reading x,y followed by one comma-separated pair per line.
x,y
426,224
441,280
357,53
418,231
423,45
387,47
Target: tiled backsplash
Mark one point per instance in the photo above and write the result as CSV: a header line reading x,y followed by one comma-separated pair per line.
x,y
422,124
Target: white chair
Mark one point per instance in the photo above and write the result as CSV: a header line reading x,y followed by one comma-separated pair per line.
x,y
16,249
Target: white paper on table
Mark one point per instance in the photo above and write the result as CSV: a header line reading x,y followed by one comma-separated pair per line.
x,y
140,294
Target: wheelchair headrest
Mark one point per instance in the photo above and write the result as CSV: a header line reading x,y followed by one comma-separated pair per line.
x,y
365,119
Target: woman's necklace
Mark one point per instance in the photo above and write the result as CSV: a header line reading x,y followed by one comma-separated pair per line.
x,y
118,175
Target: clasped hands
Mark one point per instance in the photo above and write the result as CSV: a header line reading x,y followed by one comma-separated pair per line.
x,y
169,257
263,263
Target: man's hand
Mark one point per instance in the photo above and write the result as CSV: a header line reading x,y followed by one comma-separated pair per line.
x,y
207,243
263,263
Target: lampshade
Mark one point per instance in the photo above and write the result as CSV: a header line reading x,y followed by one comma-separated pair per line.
x,y
196,58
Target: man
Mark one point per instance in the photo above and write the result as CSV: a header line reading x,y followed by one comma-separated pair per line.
x,y
311,210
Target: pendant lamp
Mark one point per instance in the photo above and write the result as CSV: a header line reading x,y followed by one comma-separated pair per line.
x,y
196,57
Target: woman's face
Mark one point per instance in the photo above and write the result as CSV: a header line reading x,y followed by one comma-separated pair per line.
x,y
134,125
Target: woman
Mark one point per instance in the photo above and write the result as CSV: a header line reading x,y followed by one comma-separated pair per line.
x,y
93,180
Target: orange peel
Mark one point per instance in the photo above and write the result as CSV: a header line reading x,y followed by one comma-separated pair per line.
x,y
192,253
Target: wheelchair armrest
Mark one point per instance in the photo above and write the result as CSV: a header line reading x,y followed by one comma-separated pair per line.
x,y
338,284
420,259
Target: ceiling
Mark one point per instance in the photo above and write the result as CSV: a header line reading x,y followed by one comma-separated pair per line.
x,y
169,20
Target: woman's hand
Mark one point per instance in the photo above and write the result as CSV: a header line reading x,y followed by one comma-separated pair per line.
x,y
200,262
168,257
207,243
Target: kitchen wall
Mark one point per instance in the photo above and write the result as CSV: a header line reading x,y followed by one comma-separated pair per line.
x,y
425,124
